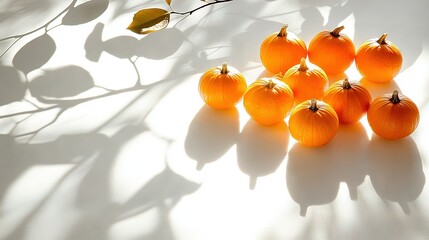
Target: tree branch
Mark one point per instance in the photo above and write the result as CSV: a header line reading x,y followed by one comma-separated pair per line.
x,y
198,8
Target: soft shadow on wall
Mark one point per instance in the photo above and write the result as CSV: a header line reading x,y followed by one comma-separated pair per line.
x,y
92,156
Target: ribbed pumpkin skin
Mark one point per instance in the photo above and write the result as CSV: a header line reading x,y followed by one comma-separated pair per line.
x,y
222,90
333,53
268,103
313,128
379,62
280,52
306,83
391,120
350,103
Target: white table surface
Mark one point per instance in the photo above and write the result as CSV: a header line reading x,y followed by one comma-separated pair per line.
x,y
109,138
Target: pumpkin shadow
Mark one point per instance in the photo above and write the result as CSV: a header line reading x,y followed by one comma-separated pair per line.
x,y
265,73
336,77
310,178
396,170
261,149
211,134
378,89
313,175
350,159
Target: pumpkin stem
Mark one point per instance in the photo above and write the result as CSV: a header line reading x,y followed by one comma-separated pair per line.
x,y
382,39
346,84
302,65
395,97
278,76
336,31
224,69
270,84
283,32
313,105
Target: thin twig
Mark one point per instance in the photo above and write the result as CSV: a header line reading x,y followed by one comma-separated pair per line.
x,y
200,7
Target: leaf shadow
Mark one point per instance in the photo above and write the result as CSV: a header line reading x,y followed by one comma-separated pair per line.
x,y
84,12
13,85
261,149
35,53
157,45
211,134
62,82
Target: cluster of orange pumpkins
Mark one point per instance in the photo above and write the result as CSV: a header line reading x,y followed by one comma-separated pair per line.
x,y
302,89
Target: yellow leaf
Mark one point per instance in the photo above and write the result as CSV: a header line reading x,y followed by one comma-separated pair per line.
x,y
149,20
168,2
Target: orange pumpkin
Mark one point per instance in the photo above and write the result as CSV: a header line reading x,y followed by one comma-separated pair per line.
x,y
280,51
306,82
222,87
379,60
313,123
393,116
332,51
268,100
350,100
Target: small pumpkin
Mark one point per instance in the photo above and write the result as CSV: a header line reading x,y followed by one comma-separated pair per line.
x,y
268,100
222,87
379,60
350,100
313,123
281,50
332,51
393,116
306,81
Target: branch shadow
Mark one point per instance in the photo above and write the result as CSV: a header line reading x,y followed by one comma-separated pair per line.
x,y
17,158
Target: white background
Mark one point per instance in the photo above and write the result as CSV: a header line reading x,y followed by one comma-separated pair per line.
x,y
103,134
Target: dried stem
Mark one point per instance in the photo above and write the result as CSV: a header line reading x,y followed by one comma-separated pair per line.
x,y
224,69
382,39
303,65
270,84
346,84
313,105
336,31
283,31
395,97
